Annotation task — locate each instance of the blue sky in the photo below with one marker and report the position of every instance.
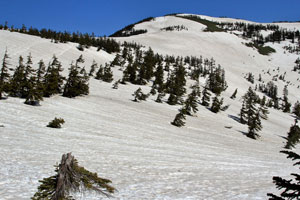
(105, 17)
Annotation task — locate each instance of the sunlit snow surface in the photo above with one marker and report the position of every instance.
(134, 144)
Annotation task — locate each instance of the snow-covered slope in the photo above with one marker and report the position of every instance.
(133, 144)
(228, 49)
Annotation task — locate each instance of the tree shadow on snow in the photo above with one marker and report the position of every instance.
(244, 133)
(235, 118)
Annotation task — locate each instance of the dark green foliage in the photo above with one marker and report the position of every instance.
(176, 84)
(263, 50)
(93, 68)
(205, 97)
(263, 112)
(290, 188)
(296, 109)
(77, 82)
(139, 95)
(56, 123)
(35, 92)
(293, 136)
(191, 103)
(251, 113)
(243, 114)
(211, 26)
(84, 40)
(107, 74)
(100, 72)
(286, 105)
(53, 81)
(17, 78)
(4, 75)
(179, 119)
(233, 96)
(216, 80)
(250, 77)
(70, 177)
(216, 104)
(129, 30)
(254, 125)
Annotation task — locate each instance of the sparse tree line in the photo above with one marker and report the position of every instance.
(174, 28)
(252, 31)
(84, 40)
(34, 84)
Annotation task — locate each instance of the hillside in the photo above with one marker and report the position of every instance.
(134, 144)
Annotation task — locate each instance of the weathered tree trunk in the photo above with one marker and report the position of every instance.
(66, 176)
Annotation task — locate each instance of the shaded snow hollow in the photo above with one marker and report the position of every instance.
(133, 144)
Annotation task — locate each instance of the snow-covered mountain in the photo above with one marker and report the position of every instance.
(134, 144)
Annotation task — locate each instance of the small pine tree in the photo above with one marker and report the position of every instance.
(4, 75)
(286, 106)
(139, 95)
(53, 80)
(35, 92)
(205, 97)
(216, 104)
(293, 136)
(291, 188)
(107, 74)
(99, 74)
(179, 119)
(16, 80)
(296, 109)
(70, 177)
(254, 125)
(56, 123)
(93, 68)
(243, 114)
(191, 103)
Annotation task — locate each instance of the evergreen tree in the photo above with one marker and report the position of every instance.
(205, 97)
(107, 74)
(93, 68)
(149, 63)
(16, 82)
(254, 125)
(263, 112)
(139, 95)
(179, 119)
(77, 82)
(243, 114)
(286, 106)
(53, 81)
(4, 75)
(291, 188)
(252, 114)
(296, 109)
(191, 103)
(176, 84)
(233, 96)
(100, 72)
(216, 80)
(159, 78)
(35, 92)
(293, 136)
(216, 104)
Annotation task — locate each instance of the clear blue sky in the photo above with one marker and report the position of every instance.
(105, 17)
